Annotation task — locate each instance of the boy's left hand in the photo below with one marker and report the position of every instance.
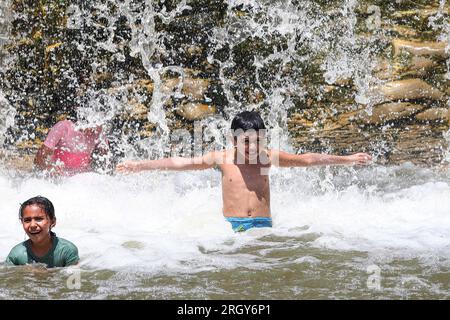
(360, 159)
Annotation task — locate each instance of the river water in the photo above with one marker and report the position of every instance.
(339, 233)
(375, 232)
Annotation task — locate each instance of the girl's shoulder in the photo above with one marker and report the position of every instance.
(20, 247)
(18, 254)
(65, 244)
(66, 253)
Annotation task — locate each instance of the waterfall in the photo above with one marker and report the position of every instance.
(337, 76)
(165, 77)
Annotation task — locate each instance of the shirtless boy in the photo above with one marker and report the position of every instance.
(245, 183)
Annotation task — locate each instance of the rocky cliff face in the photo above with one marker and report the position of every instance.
(4, 27)
(337, 76)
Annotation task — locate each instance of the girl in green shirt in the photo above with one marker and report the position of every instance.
(43, 246)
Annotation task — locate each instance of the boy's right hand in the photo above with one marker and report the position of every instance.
(128, 167)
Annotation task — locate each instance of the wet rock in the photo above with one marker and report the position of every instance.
(102, 77)
(23, 162)
(193, 88)
(52, 47)
(424, 13)
(416, 66)
(298, 122)
(187, 88)
(147, 84)
(37, 35)
(426, 48)
(29, 144)
(406, 90)
(329, 89)
(343, 81)
(147, 130)
(421, 64)
(19, 44)
(419, 143)
(42, 131)
(434, 114)
(195, 111)
(256, 96)
(419, 18)
(194, 50)
(51, 61)
(384, 70)
(403, 31)
(139, 111)
(169, 86)
(388, 112)
(341, 121)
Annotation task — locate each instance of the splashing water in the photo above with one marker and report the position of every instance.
(162, 235)
(7, 114)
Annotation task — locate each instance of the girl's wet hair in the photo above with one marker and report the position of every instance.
(42, 202)
(248, 120)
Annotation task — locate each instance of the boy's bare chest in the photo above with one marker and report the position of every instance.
(249, 177)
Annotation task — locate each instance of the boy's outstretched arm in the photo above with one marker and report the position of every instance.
(284, 159)
(207, 161)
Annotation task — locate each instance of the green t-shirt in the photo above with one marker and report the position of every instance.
(62, 254)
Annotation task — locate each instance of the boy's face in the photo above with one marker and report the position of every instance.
(36, 223)
(249, 145)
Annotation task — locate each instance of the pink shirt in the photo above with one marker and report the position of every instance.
(73, 147)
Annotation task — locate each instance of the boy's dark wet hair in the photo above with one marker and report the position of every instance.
(248, 120)
(42, 202)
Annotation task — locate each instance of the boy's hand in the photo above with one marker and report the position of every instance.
(127, 167)
(359, 159)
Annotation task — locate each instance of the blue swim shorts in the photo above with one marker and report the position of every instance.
(243, 224)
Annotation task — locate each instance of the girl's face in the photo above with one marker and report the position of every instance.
(37, 223)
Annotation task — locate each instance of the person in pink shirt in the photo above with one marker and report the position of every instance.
(68, 150)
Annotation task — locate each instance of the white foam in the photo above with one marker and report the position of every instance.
(173, 221)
